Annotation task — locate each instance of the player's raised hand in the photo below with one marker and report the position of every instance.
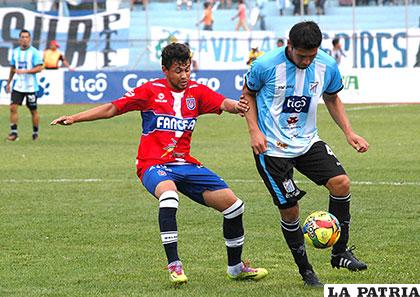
(358, 142)
(63, 120)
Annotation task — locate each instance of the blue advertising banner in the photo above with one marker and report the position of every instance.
(104, 86)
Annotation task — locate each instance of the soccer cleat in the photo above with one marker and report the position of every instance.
(12, 137)
(35, 136)
(310, 279)
(176, 273)
(248, 273)
(347, 260)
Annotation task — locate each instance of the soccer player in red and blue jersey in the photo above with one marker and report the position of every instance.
(170, 108)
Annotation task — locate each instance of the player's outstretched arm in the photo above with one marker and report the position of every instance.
(101, 112)
(234, 106)
(336, 109)
(257, 138)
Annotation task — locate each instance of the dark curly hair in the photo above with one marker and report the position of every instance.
(175, 52)
(305, 35)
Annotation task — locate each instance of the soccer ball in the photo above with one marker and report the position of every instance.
(321, 229)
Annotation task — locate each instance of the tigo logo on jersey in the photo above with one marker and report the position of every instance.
(296, 104)
(22, 65)
(191, 103)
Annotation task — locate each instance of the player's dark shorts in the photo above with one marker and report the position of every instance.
(31, 99)
(319, 164)
(190, 179)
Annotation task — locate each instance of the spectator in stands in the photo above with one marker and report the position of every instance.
(319, 5)
(280, 42)
(281, 4)
(144, 3)
(296, 10)
(337, 51)
(253, 55)
(262, 6)
(52, 57)
(228, 4)
(187, 3)
(207, 19)
(241, 15)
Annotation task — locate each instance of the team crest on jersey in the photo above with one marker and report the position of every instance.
(313, 87)
(191, 103)
(161, 173)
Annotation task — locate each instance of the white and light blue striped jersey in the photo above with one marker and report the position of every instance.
(287, 99)
(25, 59)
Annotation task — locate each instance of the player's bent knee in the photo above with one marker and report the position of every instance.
(340, 184)
(169, 199)
(290, 214)
(234, 210)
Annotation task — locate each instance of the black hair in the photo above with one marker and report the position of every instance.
(305, 35)
(335, 41)
(24, 31)
(207, 4)
(175, 52)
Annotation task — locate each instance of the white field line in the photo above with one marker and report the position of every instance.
(246, 181)
(58, 180)
(368, 183)
(371, 107)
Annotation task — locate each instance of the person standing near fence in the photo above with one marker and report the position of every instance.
(207, 19)
(337, 52)
(26, 62)
(241, 15)
(53, 56)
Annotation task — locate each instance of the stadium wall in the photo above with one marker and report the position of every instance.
(80, 87)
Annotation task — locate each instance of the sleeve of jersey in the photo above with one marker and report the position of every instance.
(253, 77)
(136, 99)
(336, 83)
(209, 100)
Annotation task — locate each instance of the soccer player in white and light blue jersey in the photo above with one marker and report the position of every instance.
(26, 62)
(283, 89)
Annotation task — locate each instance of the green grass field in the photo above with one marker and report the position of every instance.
(75, 220)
